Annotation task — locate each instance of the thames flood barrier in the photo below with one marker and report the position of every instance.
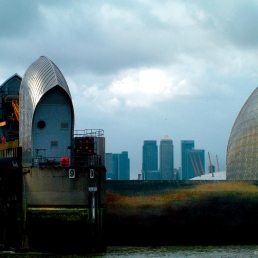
(54, 196)
(52, 208)
(52, 177)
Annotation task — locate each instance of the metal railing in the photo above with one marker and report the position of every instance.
(78, 161)
(89, 133)
(86, 161)
(46, 161)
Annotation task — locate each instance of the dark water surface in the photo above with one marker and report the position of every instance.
(161, 251)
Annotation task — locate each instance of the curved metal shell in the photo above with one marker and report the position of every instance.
(42, 76)
(242, 149)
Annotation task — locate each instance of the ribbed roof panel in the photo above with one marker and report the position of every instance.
(40, 77)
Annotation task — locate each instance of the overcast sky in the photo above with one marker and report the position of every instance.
(142, 69)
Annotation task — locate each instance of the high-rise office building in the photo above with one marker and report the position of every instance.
(123, 166)
(195, 165)
(115, 166)
(118, 166)
(185, 145)
(109, 165)
(149, 157)
(166, 158)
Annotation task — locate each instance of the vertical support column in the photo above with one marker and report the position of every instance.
(97, 188)
(100, 229)
(93, 208)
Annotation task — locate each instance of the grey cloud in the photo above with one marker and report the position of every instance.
(242, 28)
(17, 18)
(80, 35)
(233, 22)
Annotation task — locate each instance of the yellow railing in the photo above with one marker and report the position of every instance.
(16, 108)
(9, 145)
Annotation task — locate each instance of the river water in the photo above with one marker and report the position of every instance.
(161, 251)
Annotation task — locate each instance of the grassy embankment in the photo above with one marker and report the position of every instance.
(221, 213)
(196, 195)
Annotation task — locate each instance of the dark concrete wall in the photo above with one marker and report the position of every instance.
(51, 186)
(59, 214)
(47, 211)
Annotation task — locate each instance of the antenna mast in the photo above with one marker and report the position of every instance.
(217, 163)
(211, 168)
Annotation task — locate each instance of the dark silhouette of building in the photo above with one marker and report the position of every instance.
(9, 94)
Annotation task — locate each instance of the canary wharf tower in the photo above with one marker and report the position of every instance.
(166, 158)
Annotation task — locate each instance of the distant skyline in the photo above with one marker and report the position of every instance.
(142, 69)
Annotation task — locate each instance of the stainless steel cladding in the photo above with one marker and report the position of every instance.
(41, 77)
(242, 149)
